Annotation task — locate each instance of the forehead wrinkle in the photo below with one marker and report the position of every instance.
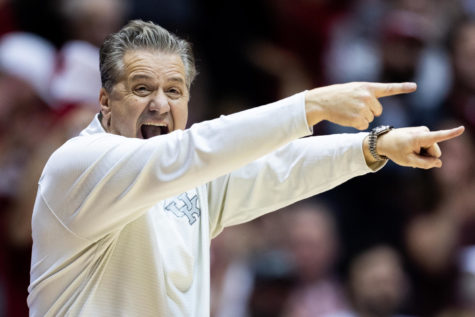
(139, 67)
(145, 77)
(149, 57)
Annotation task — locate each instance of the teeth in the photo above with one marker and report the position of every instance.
(156, 124)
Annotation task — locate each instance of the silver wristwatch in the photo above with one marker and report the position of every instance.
(373, 139)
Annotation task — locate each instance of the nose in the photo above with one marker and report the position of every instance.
(159, 103)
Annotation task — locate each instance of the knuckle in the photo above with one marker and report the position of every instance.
(358, 126)
(364, 85)
(365, 96)
(361, 105)
(363, 125)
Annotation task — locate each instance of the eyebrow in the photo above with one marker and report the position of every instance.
(142, 76)
(177, 79)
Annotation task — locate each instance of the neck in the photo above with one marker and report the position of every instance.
(101, 120)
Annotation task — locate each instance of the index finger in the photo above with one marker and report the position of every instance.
(430, 138)
(383, 90)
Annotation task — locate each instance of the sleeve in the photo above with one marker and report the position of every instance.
(301, 169)
(98, 183)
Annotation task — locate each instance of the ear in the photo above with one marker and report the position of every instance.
(104, 100)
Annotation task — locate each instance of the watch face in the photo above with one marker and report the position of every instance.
(382, 129)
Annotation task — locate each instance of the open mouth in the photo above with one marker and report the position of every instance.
(150, 130)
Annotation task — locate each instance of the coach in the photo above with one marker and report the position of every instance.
(125, 212)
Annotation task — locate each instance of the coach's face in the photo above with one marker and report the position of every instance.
(150, 99)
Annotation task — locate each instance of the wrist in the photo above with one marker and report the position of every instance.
(381, 145)
(366, 152)
(313, 109)
(375, 141)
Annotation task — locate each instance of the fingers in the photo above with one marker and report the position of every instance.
(416, 147)
(425, 162)
(376, 108)
(383, 90)
(433, 150)
(361, 124)
(429, 138)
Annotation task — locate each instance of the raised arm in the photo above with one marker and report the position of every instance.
(97, 183)
(309, 166)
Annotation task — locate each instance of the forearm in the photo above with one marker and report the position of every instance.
(301, 169)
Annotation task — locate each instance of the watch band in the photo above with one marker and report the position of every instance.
(373, 139)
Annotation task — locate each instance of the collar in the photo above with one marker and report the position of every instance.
(94, 127)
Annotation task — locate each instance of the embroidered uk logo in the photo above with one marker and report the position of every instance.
(189, 207)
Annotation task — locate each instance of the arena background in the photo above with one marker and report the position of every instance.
(399, 242)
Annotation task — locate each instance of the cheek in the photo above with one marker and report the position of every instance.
(124, 118)
(180, 115)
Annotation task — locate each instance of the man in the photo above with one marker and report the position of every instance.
(314, 247)
(376, 283)
(125, 212)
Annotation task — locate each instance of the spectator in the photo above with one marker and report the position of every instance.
(26, 67)
(461, 100)
(401, 48)
(314, 248)
(77, 80)
(377, 284)
(231, 274)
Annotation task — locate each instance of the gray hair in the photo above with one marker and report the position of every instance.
(136, 35)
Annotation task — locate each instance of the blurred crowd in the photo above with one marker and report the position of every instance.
(400, 242)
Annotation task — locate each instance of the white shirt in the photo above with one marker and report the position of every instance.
(122, 226)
